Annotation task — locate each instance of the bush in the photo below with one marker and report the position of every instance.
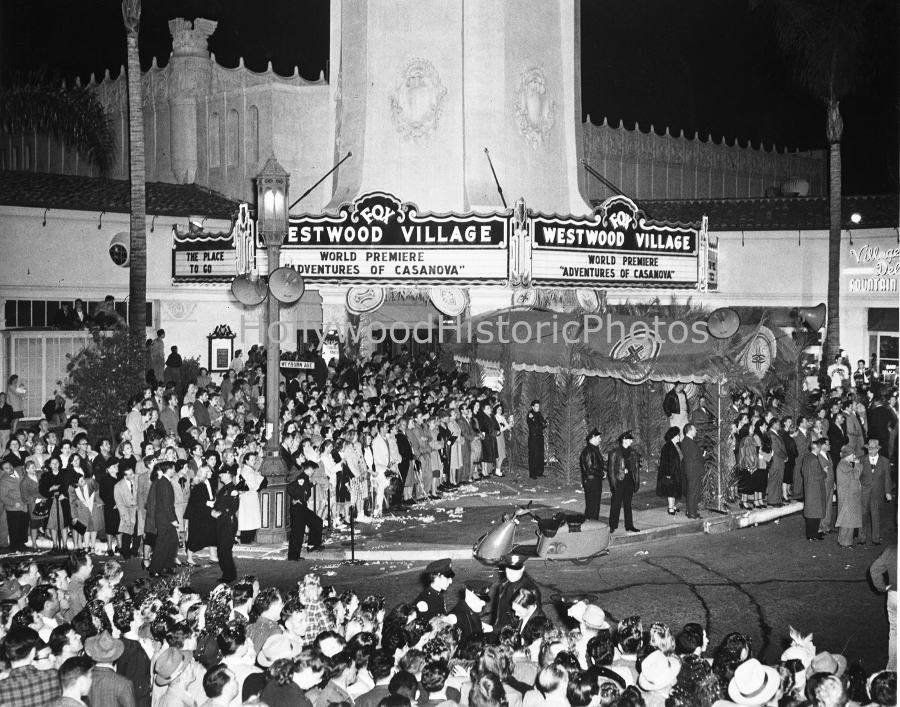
(103, 376)
(190, 369)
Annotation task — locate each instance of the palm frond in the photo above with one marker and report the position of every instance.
(567, 424)
(73, 115)
(831, 45)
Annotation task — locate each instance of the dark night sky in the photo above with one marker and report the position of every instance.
(704, 66)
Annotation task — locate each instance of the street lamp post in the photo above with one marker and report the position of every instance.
(272, 214)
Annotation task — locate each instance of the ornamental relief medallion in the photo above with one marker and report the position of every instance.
(534, 107)
(179, 311)
(418, 100)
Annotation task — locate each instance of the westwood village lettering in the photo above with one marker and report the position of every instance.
(592, 237)
(347, 235)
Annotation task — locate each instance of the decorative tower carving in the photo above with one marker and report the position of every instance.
(191, 72)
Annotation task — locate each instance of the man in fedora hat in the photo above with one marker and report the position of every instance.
(430, 602)
(591, 463)
(657, 678)
(108, 688)
(172, 670)
(591, 620)
(622, 468)
(514, 578)
(468, 610)
(875, 480)
(753, 684)
(849, 516)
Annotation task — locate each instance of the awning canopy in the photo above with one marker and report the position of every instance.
(630, 348)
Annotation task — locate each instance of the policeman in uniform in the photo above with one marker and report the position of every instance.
(302, 517)
(514, 578)
(225, 511)
(536, 427)
(468, 610)
(622, 467)
(430, 602)
(591, 463)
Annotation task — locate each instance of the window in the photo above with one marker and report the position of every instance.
(118, 253)
(234, 137)
(214, 141)
(22, 314)
(252, 136)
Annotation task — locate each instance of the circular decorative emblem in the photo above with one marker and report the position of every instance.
(534, 107)
(761, 352)
(637, 348)
(363, 299)
(418, 100)
(587, 299)
(449, 300)
(524, 298)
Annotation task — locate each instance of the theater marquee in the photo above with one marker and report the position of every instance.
(380, 240)
(617, 246)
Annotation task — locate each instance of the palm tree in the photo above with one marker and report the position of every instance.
(73, 115)
(137, 285)
(830, 45)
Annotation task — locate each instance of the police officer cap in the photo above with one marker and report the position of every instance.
(593, 433)
(479, 587)
(626, 435)
(513, 561)
(443, 567)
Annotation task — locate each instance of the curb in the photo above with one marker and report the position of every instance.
(717, 524)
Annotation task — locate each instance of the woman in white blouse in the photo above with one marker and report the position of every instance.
(504, 426)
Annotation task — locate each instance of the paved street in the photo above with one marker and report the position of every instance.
(759, 581)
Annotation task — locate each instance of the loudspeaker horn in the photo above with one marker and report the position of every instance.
(249, 292)
(813, 318)
(286, 285)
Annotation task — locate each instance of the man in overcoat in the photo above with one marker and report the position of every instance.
(622, 470)
(166, 521)
(536, 426)
(693, 467)
(468, 610)
(814, 487)
(514, 578)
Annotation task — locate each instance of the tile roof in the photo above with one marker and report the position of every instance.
(776, 214)
(66, 191)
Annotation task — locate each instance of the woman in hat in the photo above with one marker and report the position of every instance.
(849, 493)
(657, 678)
(669, 482)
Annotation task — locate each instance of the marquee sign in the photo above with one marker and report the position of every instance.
(380, 240)
(617, 246)
(199, 256)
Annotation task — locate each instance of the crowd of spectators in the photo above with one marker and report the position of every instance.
(75, 635)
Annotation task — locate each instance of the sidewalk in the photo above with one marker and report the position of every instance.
(450, 526)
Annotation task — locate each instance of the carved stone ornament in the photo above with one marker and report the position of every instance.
(534, 107)
(418, 100)
(524, 298)
(449, 300)
(365, 298)
(190, 38)
(761, 352)
(179, 311)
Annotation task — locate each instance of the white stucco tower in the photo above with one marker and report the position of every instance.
(422, 87)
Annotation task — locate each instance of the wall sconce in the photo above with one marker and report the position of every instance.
(44, 223)
(100, 225)
(153, 223)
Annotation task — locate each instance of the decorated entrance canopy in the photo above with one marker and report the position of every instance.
(629, 348)
(380, 240)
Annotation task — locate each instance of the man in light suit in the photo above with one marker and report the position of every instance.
(125, 496)
(166, 521)
(827, 525)
(875, 480)
(855, 433)
(108, 688)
